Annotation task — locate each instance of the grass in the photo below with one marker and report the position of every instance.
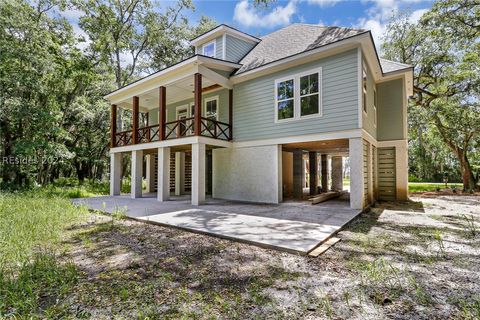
(32, 225)
(430, 186)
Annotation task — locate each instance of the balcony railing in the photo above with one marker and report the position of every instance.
(176, 129)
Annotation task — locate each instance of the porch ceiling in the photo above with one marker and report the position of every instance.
(177, 91)
(334, 147)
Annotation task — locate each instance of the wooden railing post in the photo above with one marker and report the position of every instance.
(135, 120)
(230, 114)
(162, 112)
(198, 103)
(113, 126)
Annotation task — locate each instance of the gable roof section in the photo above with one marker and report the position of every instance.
(291, 40)
(220, 30)
(392, 66)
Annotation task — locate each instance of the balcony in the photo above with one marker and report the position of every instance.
(210, 128)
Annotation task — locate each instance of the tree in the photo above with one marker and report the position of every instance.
(444, 49)
(122, 32)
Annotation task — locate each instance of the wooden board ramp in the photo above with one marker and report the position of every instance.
(324, 247)
(325, 196)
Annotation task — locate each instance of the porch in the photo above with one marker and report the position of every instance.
(293, 226)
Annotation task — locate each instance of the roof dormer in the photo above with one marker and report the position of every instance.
(224, 42)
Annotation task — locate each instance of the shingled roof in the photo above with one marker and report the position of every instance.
(291, 40)
(391, 66)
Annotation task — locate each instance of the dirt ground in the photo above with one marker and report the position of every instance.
(412, 260)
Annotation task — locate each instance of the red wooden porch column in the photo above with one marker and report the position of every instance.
(230, 114)
(113, 125)
(162, 111)
(198, 103)
(135, 120)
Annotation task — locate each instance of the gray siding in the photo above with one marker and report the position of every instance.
(390, 110)
(368, 118)
(236, 48)
(254, 103)
(172, 108)
(218, 48)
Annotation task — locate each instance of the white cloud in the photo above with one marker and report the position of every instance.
(247, 15)
(324, 3)
(416, 15)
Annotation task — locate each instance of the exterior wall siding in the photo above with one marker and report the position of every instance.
(390, 110)
(218, 48)
(236, 48)
(368, 118)
(254, 101)
(172, 108)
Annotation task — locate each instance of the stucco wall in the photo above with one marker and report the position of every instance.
(248, 174)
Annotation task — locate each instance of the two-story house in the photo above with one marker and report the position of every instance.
(260, 119)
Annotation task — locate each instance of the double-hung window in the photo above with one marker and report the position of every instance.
(211, 108)
(298, 96)
(375, 107)
(364, 88)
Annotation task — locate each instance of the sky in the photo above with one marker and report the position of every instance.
(367, 14)
(258, 21)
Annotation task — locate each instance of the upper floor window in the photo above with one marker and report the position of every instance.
(364, 88)
(209, 49)
(211, 108)
(298, 96)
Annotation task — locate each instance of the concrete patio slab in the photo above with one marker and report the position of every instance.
(297, 227)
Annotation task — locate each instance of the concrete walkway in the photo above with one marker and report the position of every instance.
(291, 226)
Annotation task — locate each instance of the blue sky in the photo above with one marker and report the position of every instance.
(367, 14)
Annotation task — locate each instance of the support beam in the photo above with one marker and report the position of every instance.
(230, 114)
(137, 168)
(324, 173)
(113, 126)
(215, 77)
(337, 173)
(355, 149)
(197, 87)
(198, 173)
(115, 173)
(162, 111)
(298, 174)
(150, 172)
(313, 165)
(163, 175)
(135, 120)
(179, 173)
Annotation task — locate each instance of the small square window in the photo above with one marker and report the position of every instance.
(209, 49)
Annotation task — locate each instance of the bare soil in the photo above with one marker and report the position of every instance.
(413, 260)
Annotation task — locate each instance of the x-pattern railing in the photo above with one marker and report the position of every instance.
(179, 128)
(123, 138)
(148, 134)
(215, 129)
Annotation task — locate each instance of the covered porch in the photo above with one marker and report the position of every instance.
(184, 108)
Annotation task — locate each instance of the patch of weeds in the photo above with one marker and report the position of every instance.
(470, 310)
(437, 235)
(38, 289)
(470, 227)
(325, 305)
(421, 296)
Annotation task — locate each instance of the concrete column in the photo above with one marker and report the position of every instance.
(137, 168)
(298, 174)
(324, 161)
(313, 165)
(198, 173)
(150, 172)
(355, 149)
(163, 174)
(279, 173)
(179, 173)
(337, 173)
(115, 173)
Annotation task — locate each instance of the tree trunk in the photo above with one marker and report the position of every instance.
(468, 179)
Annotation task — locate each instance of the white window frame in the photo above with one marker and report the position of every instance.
(214, 42)
(296, 96)
(214, 98)
(375, 101)
(364, 89)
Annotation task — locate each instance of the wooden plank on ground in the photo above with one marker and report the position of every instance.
(325, 196)
(323, 247)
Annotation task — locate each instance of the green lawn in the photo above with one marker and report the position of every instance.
(430, 186)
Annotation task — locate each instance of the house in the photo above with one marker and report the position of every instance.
(260, 119)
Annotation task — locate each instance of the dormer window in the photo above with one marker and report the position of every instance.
(208, 49)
